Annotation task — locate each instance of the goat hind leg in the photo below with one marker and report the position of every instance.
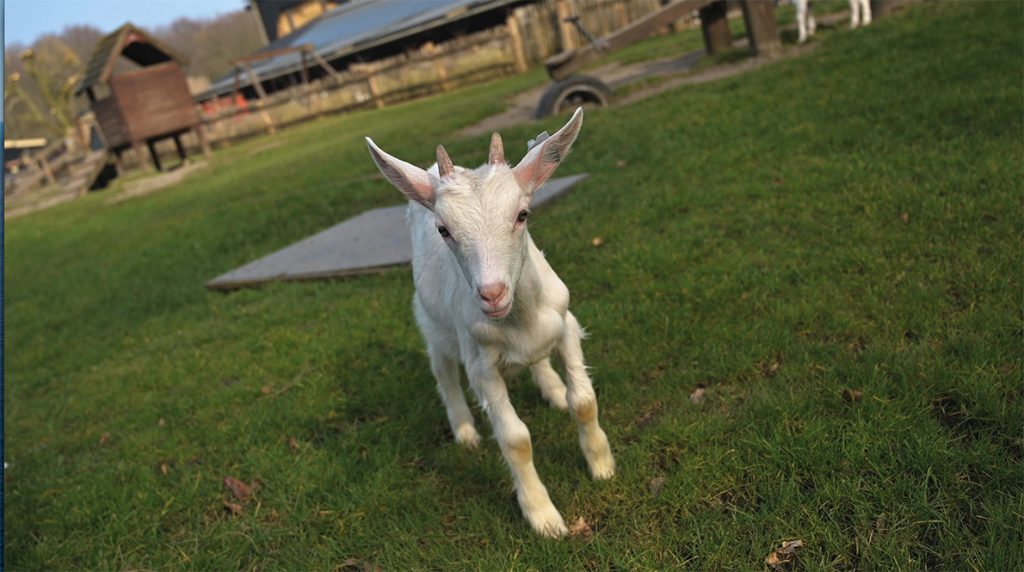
(583, 402)
(551, 387)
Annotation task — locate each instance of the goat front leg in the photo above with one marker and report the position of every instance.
(583, 402)
(514, 439)
(446, 371)
(801, 20)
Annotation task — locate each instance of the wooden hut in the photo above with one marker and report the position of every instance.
(143, 105)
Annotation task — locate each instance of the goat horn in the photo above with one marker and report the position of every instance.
(444, 163)
(497, 154)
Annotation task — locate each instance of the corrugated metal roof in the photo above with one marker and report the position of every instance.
(357, 26)
(131, 42)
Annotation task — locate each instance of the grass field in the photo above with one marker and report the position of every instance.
(850, 220)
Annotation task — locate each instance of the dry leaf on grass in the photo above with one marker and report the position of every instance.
(234, 508)
(852, 395)
(293, 443)
(241, 490)
(783, 555)
(596, 241)
(580, 529)
(164, 468)
(905, 217)
(104, 438)
(656, 484)
(620, 163)
(266, 390)
(697, 397)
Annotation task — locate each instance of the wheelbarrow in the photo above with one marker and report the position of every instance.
(571, 89)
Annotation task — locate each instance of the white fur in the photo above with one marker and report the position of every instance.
(860, 14)
(488, 247)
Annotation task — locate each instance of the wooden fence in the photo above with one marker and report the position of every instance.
(531, 34)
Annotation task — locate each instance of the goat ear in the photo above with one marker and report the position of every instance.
(414, 182)
(542, 160)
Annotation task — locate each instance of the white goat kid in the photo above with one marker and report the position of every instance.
(486, 297)
(860, 14)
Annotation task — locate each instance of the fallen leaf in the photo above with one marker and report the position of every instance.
(656, 484)
(234, 508)
(162, 422)
(104, 438)
(581, 528)
(293, 443)
(266, 390)
(905, 217)
(697, 397)
(777, 181)
(649, 416)
(783, 555)
(852, 395)
(241, 490)
(165, 468)
(620, 163)
(597, 241)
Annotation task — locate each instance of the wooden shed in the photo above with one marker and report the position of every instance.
(141, 106)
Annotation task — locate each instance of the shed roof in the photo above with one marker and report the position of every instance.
(353, 27)
(128, 41)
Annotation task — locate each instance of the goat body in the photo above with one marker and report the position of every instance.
(487, 298)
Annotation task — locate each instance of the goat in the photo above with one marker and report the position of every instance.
(486, 297)
(860, 14)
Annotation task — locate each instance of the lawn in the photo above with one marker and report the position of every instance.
(846, 221)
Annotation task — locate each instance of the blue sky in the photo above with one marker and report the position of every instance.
(26, 20)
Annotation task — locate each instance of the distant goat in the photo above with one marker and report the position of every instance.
(860, 14)
(486, 297)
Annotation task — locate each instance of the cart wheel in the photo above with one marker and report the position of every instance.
(572, 92)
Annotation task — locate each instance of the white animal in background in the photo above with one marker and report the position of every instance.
(486, 297)
(860, 14)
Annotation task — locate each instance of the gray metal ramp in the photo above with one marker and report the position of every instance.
(369, 242)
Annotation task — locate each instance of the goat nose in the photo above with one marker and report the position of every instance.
(491, 293)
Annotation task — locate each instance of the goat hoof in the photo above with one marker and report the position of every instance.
(602, 467)
(548, 523)
(467, 436)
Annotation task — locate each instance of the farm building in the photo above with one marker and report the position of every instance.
(354, 36)
(141, 106)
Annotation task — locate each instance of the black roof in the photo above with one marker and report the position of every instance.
(355, 27)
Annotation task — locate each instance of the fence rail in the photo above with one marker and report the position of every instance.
(531, 34)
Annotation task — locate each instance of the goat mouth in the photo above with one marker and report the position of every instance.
(498, 313)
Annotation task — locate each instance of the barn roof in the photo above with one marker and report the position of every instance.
(354, 27)
(128, 41)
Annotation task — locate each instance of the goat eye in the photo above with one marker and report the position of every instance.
(522, 216)
(443, 230)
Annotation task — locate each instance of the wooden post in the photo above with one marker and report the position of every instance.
(262, 99)
(155, 155)
(517, 42)
(714, 22)
(439, 70)
(140, 156)
(371, 83)
(181, 149)
(566, 33)
(44, 166)
(118, 162)
(759, 16)
(204, 143)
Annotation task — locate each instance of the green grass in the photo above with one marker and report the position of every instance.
(753, 243)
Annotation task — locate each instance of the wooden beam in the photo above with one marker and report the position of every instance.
(566, 32)
(561, 66)
(762, 31)
(715, 25)
(516, 40)
(261, 102)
